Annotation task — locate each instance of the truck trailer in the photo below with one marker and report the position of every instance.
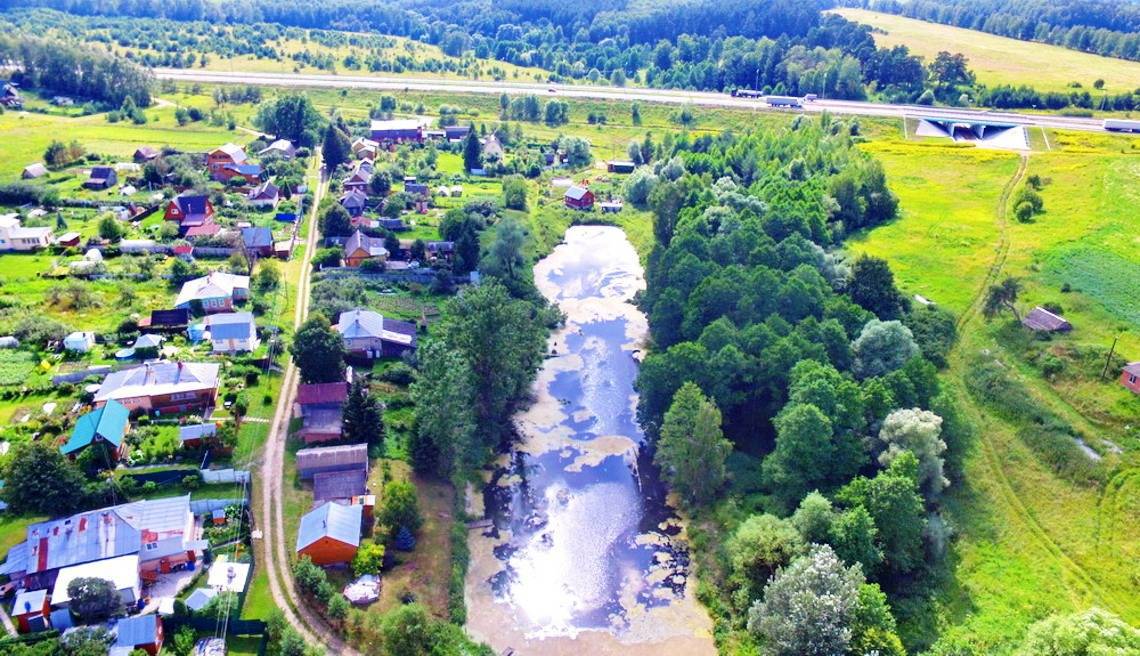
(1121, 125)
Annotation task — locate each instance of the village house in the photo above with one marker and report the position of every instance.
(355, 202)
(224, 155)
(194, 214)
(250, 174)
(15, 237)
(456, 132)
(163, 387)
(282, 148)
(1130, 377)
(362, 148)
(33, 171)
(216, 291)
(330, 534)
(394, 224)
(1041, 320)
(578, 197)
(264, 195)
(440, 250)
(397, 131)
(322, 411)
(493, 148)
(10, 97)
(232, 332)
(359, 248)
(107, 424)
(145, 154)
(257, 240)
(118, 543)
(359, 178)
(316, 460)
(101, 177)
(370, 335)
(139, 632)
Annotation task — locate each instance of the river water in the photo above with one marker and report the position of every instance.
(585, 556)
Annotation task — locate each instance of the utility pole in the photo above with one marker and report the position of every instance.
(1108, 360)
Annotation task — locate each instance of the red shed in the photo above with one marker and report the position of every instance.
(579, 198)
(31, 610)
(1130, 377)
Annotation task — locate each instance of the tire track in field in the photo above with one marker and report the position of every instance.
(1002, 249)
(1073, 570)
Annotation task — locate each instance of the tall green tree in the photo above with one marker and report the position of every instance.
(504, 258)
(691, 450)
(93, 598)
(809, 455)
(1091, 633)
(472, 151)
(292, 117)
(336, 221)
(40, 480)
(336, 149)
(363, 414)
(443, 440)
(872, 286)
(1002, 297)
(399, 507)
(318, 351)
(892, 500)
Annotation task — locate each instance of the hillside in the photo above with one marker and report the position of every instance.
(1000, 60)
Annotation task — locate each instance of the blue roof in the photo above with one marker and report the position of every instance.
(108, 423)
(230, 325)
(200, 598)
(257, 237)
(287, 217)
(245, 169)
(138, 630)
(341, 523)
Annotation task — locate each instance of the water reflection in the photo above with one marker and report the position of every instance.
(582, 539)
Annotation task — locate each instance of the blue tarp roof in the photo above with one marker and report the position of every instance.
(61, 619)
(108, 422)
(341, 523)
(287, 217)
(138, 630)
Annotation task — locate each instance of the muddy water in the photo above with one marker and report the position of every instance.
(584, 555)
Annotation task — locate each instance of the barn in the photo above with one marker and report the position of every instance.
(330, 534)
(349, 457)
(579, 198)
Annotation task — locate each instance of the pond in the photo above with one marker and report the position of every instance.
(584, 554)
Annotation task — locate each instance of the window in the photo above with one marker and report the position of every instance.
(1131, 379)
(150, 546)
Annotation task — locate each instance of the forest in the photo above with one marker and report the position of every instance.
(76, 71)
(1103, 27)
(824, 379)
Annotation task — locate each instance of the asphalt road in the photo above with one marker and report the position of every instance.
(626, 94)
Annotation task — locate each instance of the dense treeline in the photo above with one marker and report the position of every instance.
(1104, 27)
(819, 372)
(76, 71)
(779, 45)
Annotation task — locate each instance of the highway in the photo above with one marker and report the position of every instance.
(624, 94)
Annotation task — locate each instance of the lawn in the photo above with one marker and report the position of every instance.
(1029, 542)
(998, 59)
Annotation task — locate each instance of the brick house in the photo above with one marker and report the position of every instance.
(165, 387)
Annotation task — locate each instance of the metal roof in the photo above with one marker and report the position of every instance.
(200, 598)
(158, 378)
(332, 520)
(231, 325)
(137, 630)
(196, 431)
(322, 393)
(577, 192)
(363, 324)
(346, 456)
(108, 423)
(257, 237)
(122, 572)
(328, 486)
(216, 284)
(29, 601)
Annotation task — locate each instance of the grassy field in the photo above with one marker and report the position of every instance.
(27, 134)
(1000, 60)
(1030, 542)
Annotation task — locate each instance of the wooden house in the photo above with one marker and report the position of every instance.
(1130, 377)
(578, 197)
(330, 534)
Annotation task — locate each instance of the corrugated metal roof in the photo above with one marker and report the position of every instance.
(231, 325)
(322, 393)
(359, 324)
(348, 456)
(196, 431)
(328, 486)
(341, 523)
(135, 631)
(157, 378)
(200, 598)
(108, 423)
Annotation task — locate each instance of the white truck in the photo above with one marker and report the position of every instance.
(1121, 125)
(783, 101)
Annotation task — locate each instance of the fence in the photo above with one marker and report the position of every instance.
(76, 376)
(421, 276)
(204, 506)
(218, 476)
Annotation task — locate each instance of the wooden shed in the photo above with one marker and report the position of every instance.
(330, 534)
(349, 457)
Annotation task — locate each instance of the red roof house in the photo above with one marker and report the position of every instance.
(579, 198)
(223, 155)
